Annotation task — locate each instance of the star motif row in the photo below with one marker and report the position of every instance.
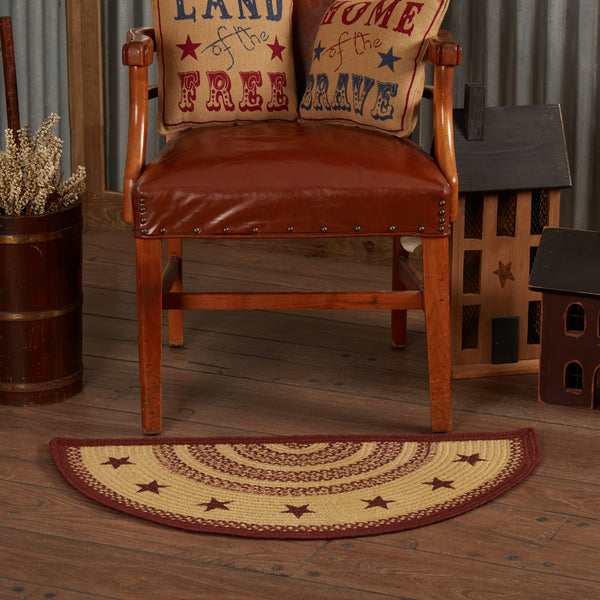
(298, 511)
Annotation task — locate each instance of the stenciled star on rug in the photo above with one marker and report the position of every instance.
(214, 504)
(297, 511)
(189, 48)
(378, 502)
(153, 486)
(439, 483)
(117, 462)
(472, 459)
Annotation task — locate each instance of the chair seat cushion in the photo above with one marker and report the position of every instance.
(289, 179)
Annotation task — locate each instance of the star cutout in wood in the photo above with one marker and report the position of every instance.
(153, 486)
(277, 50)
(378, 502)
(297, 511)
(214, 504)
(189, 48)
(438, 483)
(117, 462)
(472, 459)
(504, 272)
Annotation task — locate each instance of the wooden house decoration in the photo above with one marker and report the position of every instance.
(512, 164)
(567, 272)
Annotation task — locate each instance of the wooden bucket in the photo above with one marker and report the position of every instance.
(40, 307)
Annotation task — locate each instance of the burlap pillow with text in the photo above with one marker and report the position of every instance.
(222, 61)
(368, 64)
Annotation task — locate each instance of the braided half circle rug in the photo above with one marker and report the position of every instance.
(300, 487)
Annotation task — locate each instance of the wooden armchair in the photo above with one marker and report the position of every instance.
(300, 188)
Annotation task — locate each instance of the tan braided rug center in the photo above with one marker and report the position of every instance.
(298, 487)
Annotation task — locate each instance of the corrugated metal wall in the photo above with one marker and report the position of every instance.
(524, 51)
(40, 36)
(541, 52)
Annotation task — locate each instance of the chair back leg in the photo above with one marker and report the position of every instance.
(175, 317)
(398, 316)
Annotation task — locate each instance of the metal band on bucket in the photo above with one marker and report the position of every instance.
(35, 238)
(42, 314)
(43, 386)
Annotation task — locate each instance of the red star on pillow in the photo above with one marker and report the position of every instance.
(189, 48)
(277, 50)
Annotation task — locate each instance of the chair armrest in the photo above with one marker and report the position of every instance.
(138, 50)
(138, 54)
(445, 54)
(444, 51)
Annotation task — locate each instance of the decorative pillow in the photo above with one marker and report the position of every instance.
(221, 61)
(368, 64)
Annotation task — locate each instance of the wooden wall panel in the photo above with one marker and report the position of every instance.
(102, 207)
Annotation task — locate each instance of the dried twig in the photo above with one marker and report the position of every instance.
(30, 179)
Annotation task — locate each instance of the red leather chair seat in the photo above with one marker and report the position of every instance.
(277, 179)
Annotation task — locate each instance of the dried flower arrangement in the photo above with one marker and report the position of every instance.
(30, 178)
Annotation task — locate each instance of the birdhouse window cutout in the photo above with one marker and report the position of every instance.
(470, 326)
(534, 322)
(575, 319)
(532, 253)
(506, 218)
(574, 378)
(472, 272)
(473, 216)
(540, 211)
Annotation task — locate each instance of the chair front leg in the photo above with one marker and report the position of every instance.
(436, 289)
(149, 305)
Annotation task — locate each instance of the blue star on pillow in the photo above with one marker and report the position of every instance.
(317, 50)
(388, 59)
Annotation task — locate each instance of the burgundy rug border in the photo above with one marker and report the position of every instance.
(527, 435)
(523, 433)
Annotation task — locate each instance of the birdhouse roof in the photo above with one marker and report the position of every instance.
(567, 261)
(523, 148)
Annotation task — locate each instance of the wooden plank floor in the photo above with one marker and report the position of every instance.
(286, 373)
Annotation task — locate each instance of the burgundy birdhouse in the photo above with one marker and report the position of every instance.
(567, 272)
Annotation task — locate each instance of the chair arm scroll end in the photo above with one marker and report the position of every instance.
(444, 51)
(138, 50)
